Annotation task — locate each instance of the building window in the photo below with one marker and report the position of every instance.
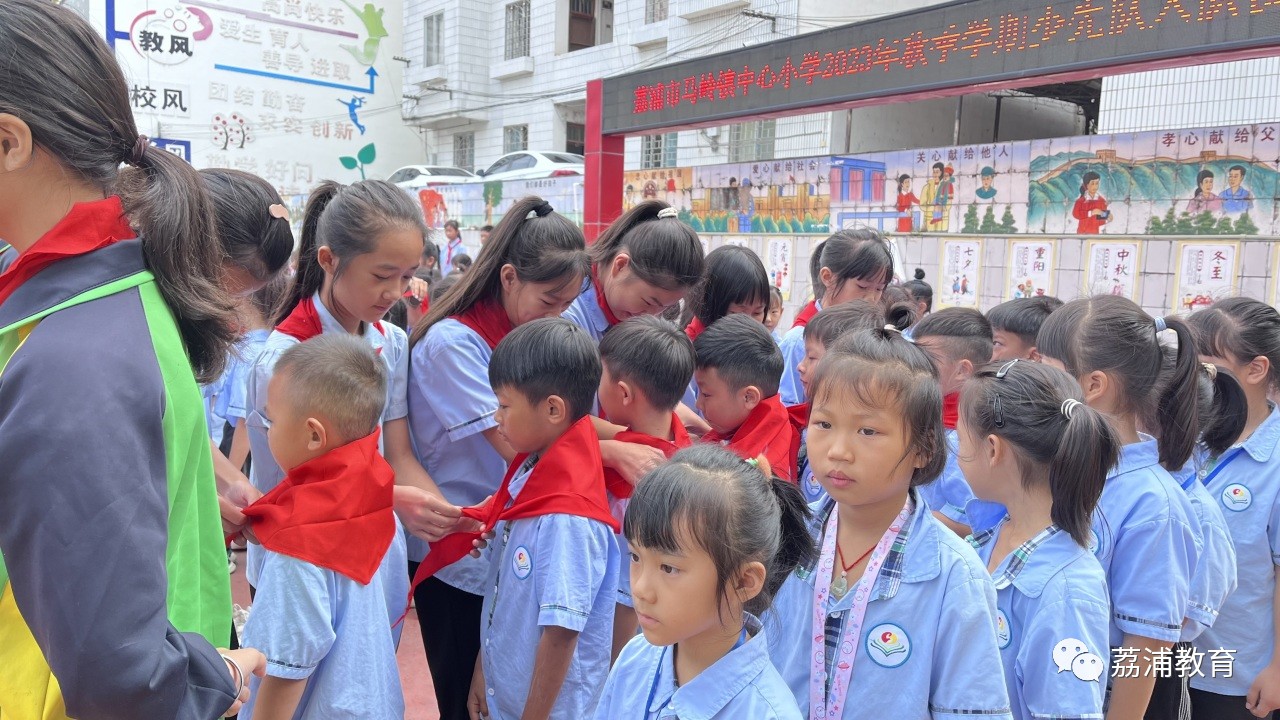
(575, 138)
(433, 39)
(515, 138)
(464, 150)
(517, 30)
(655, 11)
(590, 23)
(658, 151)
(751, 141)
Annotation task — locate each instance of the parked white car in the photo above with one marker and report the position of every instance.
(414, 177)
(528, 165)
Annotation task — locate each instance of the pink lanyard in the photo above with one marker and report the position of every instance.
(822, 706)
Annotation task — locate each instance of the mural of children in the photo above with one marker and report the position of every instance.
(988, 189)
(929, 199)
(1090, 208)
(906, 199)
(1236, 199)
(1204, 200)
(941, 217)
(671, 188)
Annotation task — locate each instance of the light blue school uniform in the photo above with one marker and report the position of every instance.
(928, 646)
(1214, 577)
(951, 495)
(777, 336)
(809, 486)
(1146, 536)
(552, 570)
(317, 624)
(1247, 489)
(392, 346)
(209, 395)
(1052, 625)
(743, 684)
(586, 313)
(451, 405)
(233, 401)
(789, 389)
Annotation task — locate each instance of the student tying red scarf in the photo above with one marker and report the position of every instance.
(620, 488)
(568, 479)
(304, 322)
(769, 431)
(489, 320)
(334, 511)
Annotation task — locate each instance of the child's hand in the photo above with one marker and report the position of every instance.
(477, 703)
(482, 542)
(1264, 694)
(249, 662)
(419, 288)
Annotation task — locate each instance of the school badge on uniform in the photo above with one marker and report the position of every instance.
(1004, 633)
(1236, 497)
(888, 645)
(522, 562)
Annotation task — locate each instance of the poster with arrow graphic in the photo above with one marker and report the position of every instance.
(295, 91)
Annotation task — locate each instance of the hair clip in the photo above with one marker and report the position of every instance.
(668, 212)
(1004, 369)
(1069, 407)
(278, 211)
(1160, 325)
(997, 407)
(1211, 370)
(892, 328)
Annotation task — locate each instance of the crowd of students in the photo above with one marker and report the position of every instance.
(607, 483)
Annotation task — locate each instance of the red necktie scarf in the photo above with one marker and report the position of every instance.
(694, 329)
(489, 320)
(799, 415)
(806, 314)
(567, 480)
(767, 431)
(620, 488)
(334, 511)
(88, 227)
(951, 410)
(303, 323)
(604, 304)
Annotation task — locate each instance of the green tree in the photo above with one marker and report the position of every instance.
(1224, 226)
(1245, 225)
(1184, 225)
(971, 220)
(989, 224)
(1204, 223)
(1008, 224)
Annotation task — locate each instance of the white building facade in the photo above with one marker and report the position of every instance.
(487, 77)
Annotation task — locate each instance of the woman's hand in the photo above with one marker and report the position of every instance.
(248, 662)
(231, 501)
(428, 515)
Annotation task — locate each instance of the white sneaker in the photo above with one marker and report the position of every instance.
(231, 565)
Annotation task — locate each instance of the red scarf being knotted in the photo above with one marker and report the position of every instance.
(568, 479)
(767, 431)
(334, 511)
(619, 487)
(489, 320)
(88, 227)
(694, 328)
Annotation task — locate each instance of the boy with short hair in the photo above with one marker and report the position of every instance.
(820, 335)
(1015, 325)
(647, 363)
(333, 579)
(959, 341)
(739, 369)
(547, 621)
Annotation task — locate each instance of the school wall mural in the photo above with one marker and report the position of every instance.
(296, 91)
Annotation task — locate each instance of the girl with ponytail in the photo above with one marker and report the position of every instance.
(1029, 443)
(712, 537)
(532, 267)
(113, 586)
(1147, 536)
(361, 245)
